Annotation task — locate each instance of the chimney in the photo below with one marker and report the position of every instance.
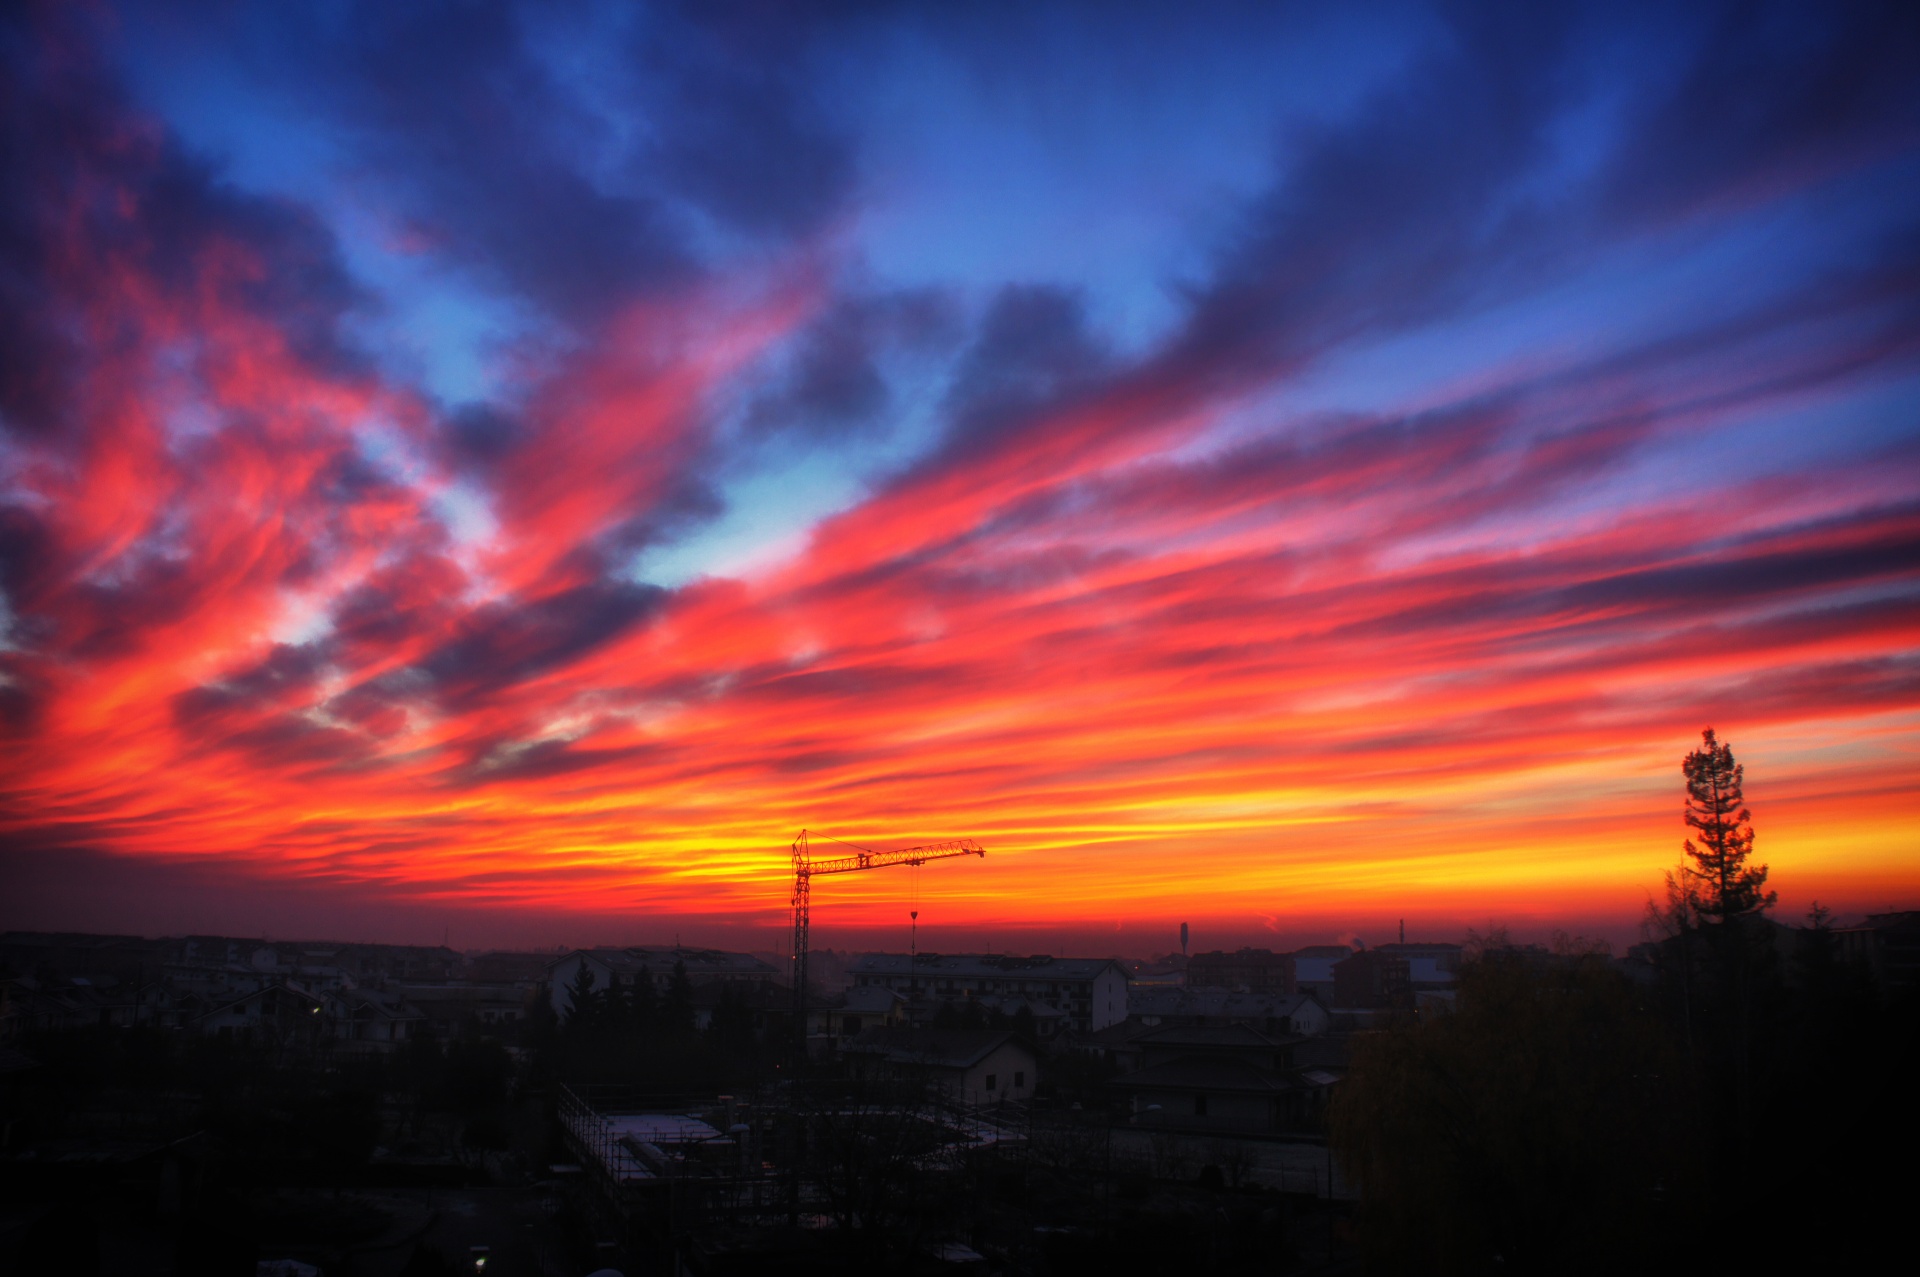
(1403, 931)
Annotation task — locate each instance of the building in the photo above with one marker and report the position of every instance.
(1313, 968)
(1209, 1092)
(847, 1015)
(1088, 993)
(274, 1014)
(621, 968)
(1300, 1014)
(1218, 1077)
(1246, 971)
(1429, 966)
(372, 1021)
(970, 1066)
(1887, 944)
(1372, 979)
(446, 1014)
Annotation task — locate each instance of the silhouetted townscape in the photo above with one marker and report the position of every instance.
(209, 1104)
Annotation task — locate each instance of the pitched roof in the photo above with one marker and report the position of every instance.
(1115, 1035)
(871, 999)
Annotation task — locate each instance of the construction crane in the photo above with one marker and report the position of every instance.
(805, 868)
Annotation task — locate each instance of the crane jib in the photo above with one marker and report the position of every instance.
(805, 867)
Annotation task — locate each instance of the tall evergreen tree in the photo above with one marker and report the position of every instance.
(641, 1002)
(583, 1002)
(677, 1013)
(1723, 885)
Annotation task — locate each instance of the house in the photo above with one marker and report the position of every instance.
(449, 1016)
(276, 1013)
(848, 1015)
(1224, 1077)
(1088, 993)
(372, 1021)
(970, 1066)
(1211, 1092)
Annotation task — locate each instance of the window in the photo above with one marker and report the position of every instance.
(993, 1081)
(1019, 1078)
(1199, 1106)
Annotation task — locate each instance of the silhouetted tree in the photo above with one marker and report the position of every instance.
(1719, 889)
(1528, 1130)
(642, 1007)
(732, 1027)
(958, 1014)
(582, 1012)
(1023, 1024)
(676, 1016)
(479, 1075)
(1719, 884)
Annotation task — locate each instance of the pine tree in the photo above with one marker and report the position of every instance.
(583, 1003)
(1718, 877)
(677, 1013)
(641, 1003)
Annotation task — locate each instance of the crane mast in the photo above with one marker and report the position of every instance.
(805, 867)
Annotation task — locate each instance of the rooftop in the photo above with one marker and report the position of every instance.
(1216, 1004)
(661, 1129)
(659, 960)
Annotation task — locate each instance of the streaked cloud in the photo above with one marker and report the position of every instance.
(1546, 401)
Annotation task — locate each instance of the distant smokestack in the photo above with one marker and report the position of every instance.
(1183, 939)
(1403, 931)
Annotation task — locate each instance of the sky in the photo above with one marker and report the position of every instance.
(497, 472)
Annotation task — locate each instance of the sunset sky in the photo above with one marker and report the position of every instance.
(498, 472)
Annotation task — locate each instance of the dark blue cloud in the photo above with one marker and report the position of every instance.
(566, 178)
(86, 188)
(837, 384)
(505, 643)
(1774, 94)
